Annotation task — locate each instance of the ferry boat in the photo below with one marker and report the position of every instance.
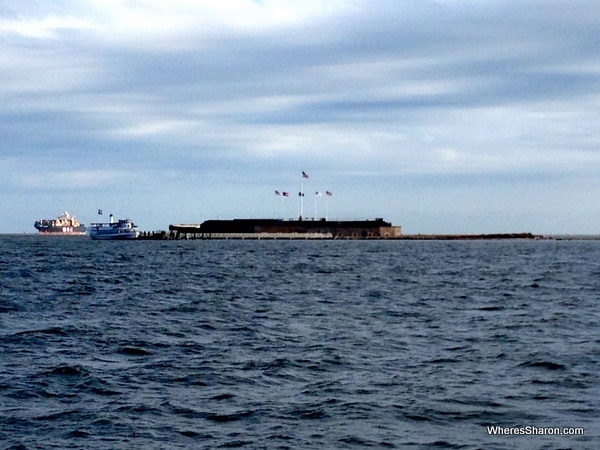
(121, 229)
(65, 224)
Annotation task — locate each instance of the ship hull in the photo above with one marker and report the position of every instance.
(113, 237)
(63, 232)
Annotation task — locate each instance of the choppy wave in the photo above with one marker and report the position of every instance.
(273, 344)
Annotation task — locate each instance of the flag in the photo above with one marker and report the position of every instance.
(300, 194)
(318, 194)
(304, 175)
(328, 194)
(277, 193)
(285, 194)
(100, 212)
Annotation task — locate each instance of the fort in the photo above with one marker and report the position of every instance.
(311, 229)
(286, 229)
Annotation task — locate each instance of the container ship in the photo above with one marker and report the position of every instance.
(65, 224)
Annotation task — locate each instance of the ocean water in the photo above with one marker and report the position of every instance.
(298, 344)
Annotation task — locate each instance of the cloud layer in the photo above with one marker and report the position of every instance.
(443, 116)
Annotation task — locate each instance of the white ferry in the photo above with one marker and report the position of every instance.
(121, 229)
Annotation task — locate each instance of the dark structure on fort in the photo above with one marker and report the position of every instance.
(286, 229)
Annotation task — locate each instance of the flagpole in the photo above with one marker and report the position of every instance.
(301, 194)
(301, 197)
(327, 195)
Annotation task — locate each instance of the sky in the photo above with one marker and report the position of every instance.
(441, 116)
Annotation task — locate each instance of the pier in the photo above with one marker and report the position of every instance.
(160, 235)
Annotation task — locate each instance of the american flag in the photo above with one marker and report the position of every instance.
(304, 174)
(328, 194)
(277, 193)
(285, 194)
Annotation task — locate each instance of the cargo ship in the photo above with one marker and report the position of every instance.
(287, 229)
(65, 224)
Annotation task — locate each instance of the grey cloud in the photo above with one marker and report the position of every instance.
(400, 81)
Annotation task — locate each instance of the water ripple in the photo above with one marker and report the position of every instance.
(284, 344)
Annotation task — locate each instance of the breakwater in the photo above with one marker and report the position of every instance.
(449, 237)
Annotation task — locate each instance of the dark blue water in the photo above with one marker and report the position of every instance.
(297, 344)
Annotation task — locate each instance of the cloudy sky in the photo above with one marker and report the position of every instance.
(452, 116)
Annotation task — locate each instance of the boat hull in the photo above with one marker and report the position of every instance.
(71, 231)
(113, 237)
(62, 233)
